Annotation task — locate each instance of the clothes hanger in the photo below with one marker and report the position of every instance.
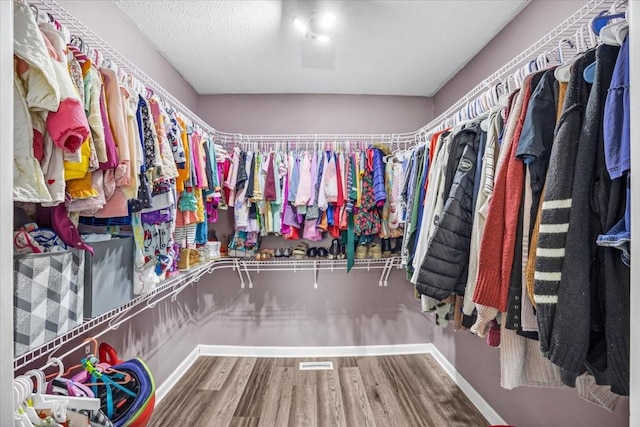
(506, 94)
(42, 400)
(19, 396)
(563, 72)
(542, 61)
(25, 416)
(593, 40)
(25, 405)
(603, 18)
(614, 33)
(487, 100)
(484, 124)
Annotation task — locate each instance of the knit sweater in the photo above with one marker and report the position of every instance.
(556, 204)
(522, 364)
(570, 334)
(497, 247)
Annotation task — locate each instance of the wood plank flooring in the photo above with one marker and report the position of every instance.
(402, 391)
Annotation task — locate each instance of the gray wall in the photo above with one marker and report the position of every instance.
(295, 113)
(535, 20)
(283, 309)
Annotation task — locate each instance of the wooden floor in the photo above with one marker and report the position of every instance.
(403, 391)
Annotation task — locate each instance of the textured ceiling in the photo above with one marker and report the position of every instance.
(377, 48)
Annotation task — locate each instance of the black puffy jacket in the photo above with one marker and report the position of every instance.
(444, 268)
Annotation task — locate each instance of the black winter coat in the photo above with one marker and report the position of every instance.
(444, 268)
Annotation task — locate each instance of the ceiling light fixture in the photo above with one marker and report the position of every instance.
(328, 20)
(317, 26)
(300, 25)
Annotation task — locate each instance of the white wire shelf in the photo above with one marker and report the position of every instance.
(296, 262)
(315, 265)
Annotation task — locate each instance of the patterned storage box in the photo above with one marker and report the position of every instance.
(49, 297)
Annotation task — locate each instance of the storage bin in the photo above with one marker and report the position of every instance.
(108, 276)
(48, 297)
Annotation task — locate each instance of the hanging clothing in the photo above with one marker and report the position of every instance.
(443, 270)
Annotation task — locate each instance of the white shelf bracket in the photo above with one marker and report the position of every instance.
(246, 271)
(384, 271)
(386, 278)
(236, 266)
(315, 275)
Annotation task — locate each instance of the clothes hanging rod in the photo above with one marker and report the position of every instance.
(382, 138)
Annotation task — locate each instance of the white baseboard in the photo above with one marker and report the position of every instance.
(344, 351)
(169, 383)
(289, 352)
(478, 401)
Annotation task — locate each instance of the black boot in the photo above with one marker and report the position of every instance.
(397, 249)
(386, 248)
(343, 252)
(334, 249)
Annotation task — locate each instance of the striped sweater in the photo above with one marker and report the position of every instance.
(556, 204)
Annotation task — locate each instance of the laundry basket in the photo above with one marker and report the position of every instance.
(48, 297)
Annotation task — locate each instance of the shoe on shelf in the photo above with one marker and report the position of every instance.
(194, 257)
(184, 262)
(300, 251)
(322, 252)
(312, 252)
(375, 251)
(278, 253)
(343, 252)
(287, 252)
(361, 251)
(386, 248)
(334, 249)
(397, 248)
(265, 254)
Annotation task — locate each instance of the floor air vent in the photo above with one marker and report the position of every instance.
(316, 366)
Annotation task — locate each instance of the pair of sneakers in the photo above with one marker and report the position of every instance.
(318, 252)
(283, 253)
(370, 251)
(302, 250)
